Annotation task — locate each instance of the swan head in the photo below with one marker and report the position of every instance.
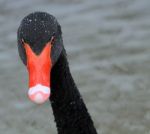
(40, 45)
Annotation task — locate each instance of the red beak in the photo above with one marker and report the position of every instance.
(39, 69)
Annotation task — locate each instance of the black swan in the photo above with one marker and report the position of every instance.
(41, 49)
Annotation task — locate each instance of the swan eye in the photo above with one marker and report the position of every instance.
(22, 41)
(53, 40)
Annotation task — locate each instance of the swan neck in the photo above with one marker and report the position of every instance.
(70, 113)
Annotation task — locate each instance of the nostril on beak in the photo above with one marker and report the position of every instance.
(39, 94)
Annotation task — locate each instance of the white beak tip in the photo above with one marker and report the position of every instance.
(39, 94)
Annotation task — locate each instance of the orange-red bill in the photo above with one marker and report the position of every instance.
(39, 68)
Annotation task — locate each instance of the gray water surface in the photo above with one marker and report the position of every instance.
(108, 46)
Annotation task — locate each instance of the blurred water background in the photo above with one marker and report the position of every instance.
(108, 46)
